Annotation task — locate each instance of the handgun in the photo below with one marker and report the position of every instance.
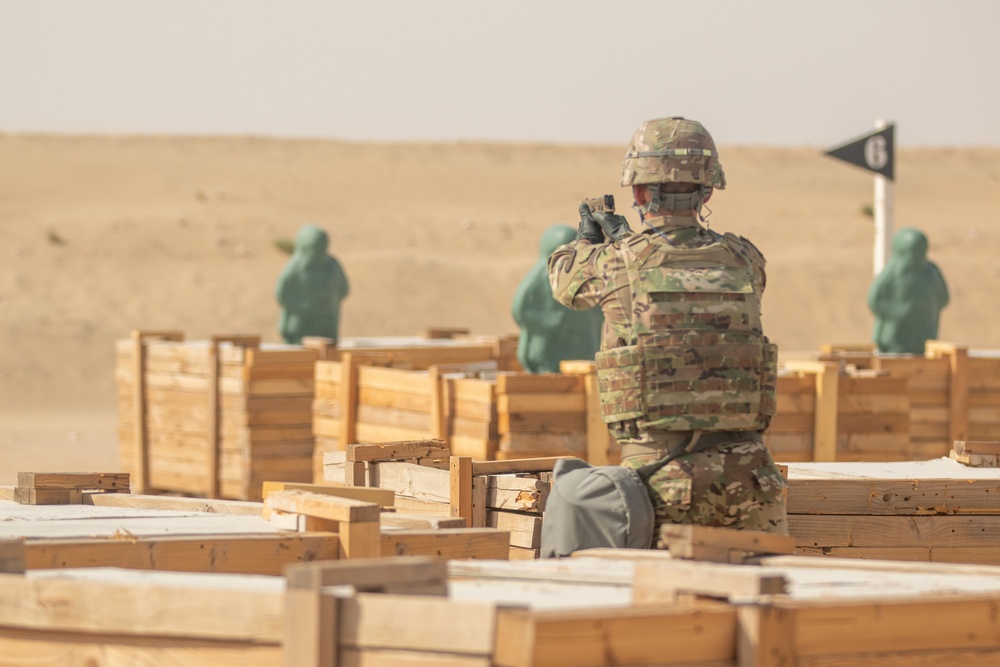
(604, 204)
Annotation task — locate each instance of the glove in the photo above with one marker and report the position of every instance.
(589, 229)
(615, 226)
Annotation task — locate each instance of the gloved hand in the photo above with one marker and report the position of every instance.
(615, 226)
(589, 229)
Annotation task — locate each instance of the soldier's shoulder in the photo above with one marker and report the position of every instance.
(745, 247)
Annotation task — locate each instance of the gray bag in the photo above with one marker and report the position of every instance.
(591, 507)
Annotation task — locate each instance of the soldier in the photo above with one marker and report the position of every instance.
(684, 368)
(310, 289)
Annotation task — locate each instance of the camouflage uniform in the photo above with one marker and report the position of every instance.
(683, 355)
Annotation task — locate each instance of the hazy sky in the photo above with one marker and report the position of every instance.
(779, 72)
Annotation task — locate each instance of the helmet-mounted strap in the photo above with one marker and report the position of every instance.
(672, 152)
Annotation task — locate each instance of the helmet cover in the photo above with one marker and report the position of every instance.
(673, 150)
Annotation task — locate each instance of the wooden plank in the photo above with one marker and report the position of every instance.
(765, 637)
(412, 480)
(233, 554)
(722, 544)
(825, 433)
(893, 496)
(970, 555)
(328, 372)
(483, 543)
(987, 447)
(479, 449)
(411, 622)
(12, 556)
(139, 463)
(525, 529)
(309, 616)
(896, 531)
(322, 390)
(330, 428)
(480, 500)
(400, 450)
(142, 605)
(517, 443)
(395, 379)
(846, 627)
(255, 356)
(388, 398)
(177, 503)
(437, 407)
(460, 488)
(381, 497)
(360, 539)
(296, 371)
(538, 402)
(367, 574)
(541, 464)
(547, 383)
(323, 506)
(471, 389)
(509, 492)
(470, 428)
(542, 422)
(47, 496)
(30, 648)
(661, 581)
(646, 635)
(78, 481)
(959, 395)
(371, 657)
(349, 397)
(414, 421)
(403, 520)
(598, 436)
(427, 507)
(372, 433)
(468, 409)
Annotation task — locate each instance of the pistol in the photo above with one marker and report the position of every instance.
(604, 204)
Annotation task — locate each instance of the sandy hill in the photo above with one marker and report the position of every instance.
(102, 235)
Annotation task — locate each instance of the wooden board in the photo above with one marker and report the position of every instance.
(235, 554)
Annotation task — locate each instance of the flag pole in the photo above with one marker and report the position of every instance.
(883, 209)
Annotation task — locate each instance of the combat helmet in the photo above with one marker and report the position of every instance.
(673, 150)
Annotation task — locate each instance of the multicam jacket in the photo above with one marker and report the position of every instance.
(682, 346)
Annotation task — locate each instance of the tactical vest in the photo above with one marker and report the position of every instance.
(697, 358)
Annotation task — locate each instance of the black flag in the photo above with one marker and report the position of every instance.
(874, 152)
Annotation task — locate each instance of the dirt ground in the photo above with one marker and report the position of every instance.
(99, 236)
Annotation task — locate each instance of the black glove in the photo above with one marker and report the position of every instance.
(589, 229)
(615, 226)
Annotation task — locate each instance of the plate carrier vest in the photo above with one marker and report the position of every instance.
(697, 358)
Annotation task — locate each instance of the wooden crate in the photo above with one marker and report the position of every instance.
(507, 495)
(371, 396)
(214, 418)
(827, 415)
(938, 510)
(954, 393)
(407, 393)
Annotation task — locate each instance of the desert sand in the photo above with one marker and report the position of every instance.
(99, 236)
